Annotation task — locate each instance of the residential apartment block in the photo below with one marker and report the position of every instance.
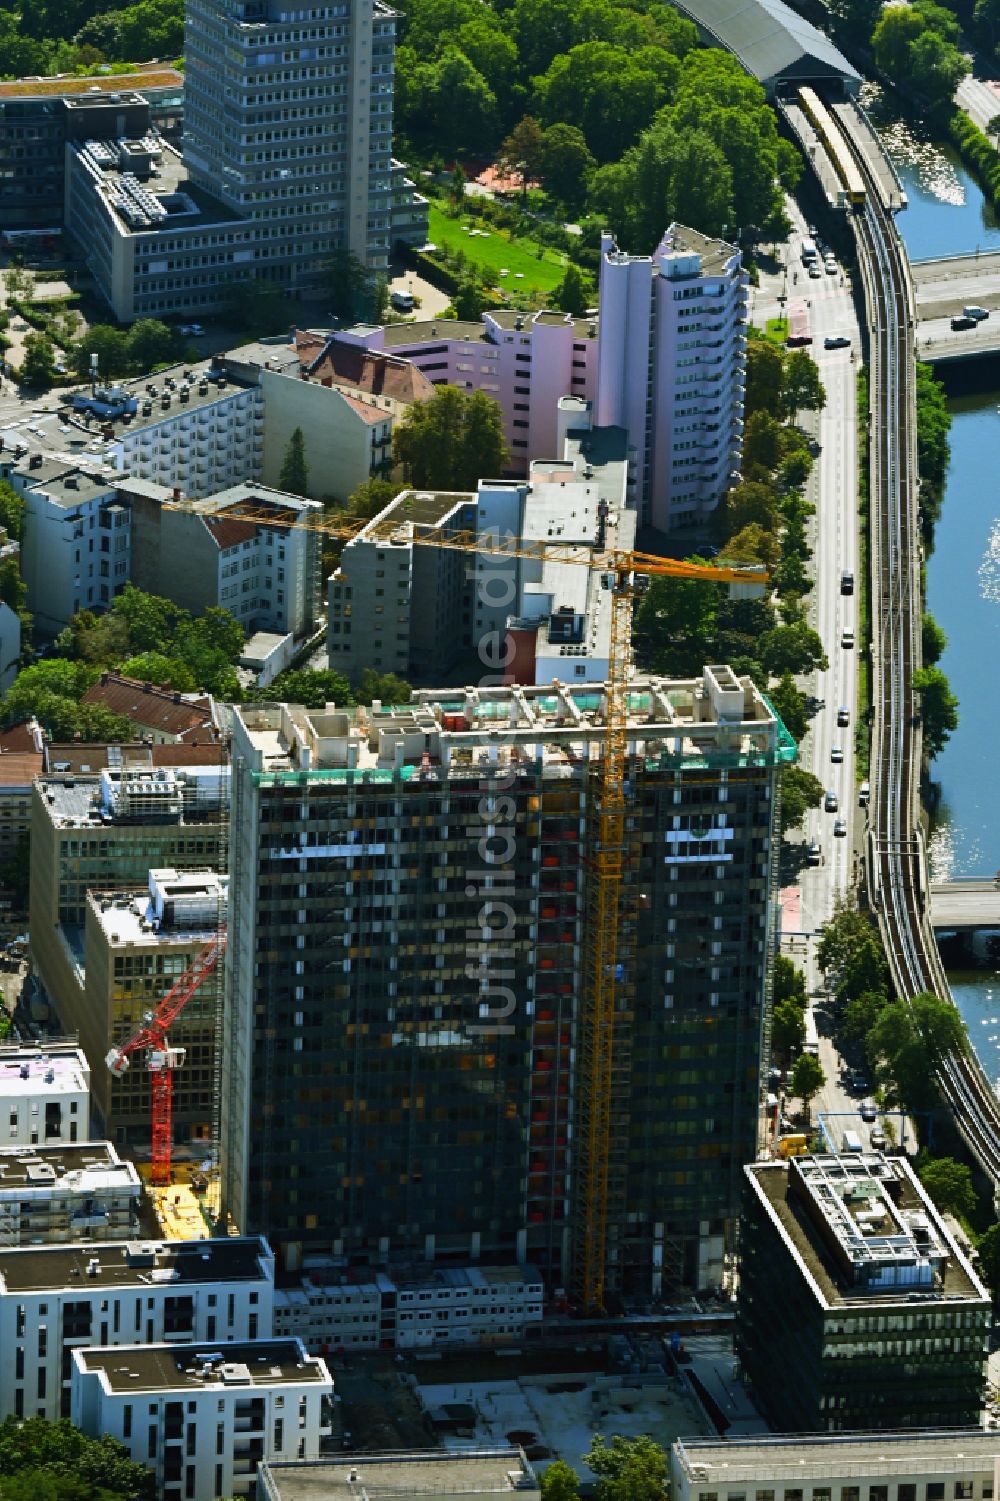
(430, 1475)
(671, 370)
(105, 833)
(59, 1194)
(137, 944)
(56, 1299)
(525, 361)
(856, 1309)
(44, 1095)
(397, 606)
(956, 1464)
(365, 1041)
(334, 1307)
(203, 1421)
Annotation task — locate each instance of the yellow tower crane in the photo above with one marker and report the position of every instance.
(626, 575)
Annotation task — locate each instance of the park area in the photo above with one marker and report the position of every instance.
(529, 266)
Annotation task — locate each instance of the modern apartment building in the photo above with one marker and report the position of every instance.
(428, 1475)
(59, 1194)
(137, 944)
(203, 1421)
(671, 367)
(956, 1464)
(525, 361)
(105, 832)
(54, 1299)
(394, 605)
(335, 1307)
(856, 1309)
(44, 1095)
(365, 1038)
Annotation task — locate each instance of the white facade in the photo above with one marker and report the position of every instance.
(671, 370)
(203, 1421)
(75, 549)
(44, 1096)
(201, 445)
(54, 1195)
(471, 1305)
(117, 1293)
(901, 1465)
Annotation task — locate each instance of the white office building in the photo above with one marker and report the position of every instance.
(671, 363)
(202, 1420)
(44, 1095)
(56, 1195)
(54, 1299)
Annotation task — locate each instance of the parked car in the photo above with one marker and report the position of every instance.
(962, 321)
(839, 829)
(191, 330)
(868, 1111)
(836, 341)
(830, 802)
(975, 312)
(843, 716)
(837, 753)
(847, 640)
(878, 1139)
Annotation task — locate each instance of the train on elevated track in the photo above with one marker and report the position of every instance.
(852, 182)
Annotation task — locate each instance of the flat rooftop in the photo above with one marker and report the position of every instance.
(91, 759)
(863, 1231)
(147, 80)
(131, 1264)
(808, 1456)
(392, 1477)
(84, 1167)
(30, 1071)
(168, 1367)
(715, 254)
(167, 203)
(172, 794)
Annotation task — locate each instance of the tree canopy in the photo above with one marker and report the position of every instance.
(949, 1184)
(628, 1469)
(39, 1459)
(452, 440)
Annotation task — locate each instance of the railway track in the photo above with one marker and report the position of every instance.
(896, 862)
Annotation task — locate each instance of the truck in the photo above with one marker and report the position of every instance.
(796, 1145)
(809, 252)
(851, 1142)
(811, 1043)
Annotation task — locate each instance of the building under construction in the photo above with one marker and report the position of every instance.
(405, 975)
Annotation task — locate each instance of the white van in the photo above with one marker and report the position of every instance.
(864, 794)
(851, 1142)
(402, 301)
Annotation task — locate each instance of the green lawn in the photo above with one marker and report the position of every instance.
(777, 330)
(495, 250)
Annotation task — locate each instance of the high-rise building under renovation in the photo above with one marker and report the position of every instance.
(288, 122)
(407, 951)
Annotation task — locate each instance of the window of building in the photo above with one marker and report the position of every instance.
(906, 1493)
(935, 1490)
(963, 1490)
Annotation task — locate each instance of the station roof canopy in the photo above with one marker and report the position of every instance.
(772, 42)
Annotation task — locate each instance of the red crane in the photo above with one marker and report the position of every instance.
(161, 1058)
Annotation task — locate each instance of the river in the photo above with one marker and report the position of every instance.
(947, 215)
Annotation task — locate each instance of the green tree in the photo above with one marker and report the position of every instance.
(452, 440)
(807, 1079)
(792, 648)
(38, 364)
(294, 476)
(800, 791)
(789, 982)
(111, 347)
(457, 185)
(670, 175)
(571, 295)
(932, 639)
(753, 544)
(861, 1014)
(842, 936)
(567, 164)
(35, 1449)
(387, 687)
(765, 377)
(789, 703)
(560, 1482)
(150, 343)
(628, 1469)
(949, 1184)
(469, 301)
(989, 1259)
(674, 622)
(151, 620)
(864, 969)
(522, 153)
(938, 708)
(762, 442)
(750, 503)
(166, 672)
(802, 389)
(908, 1043)
(346, 284)
(610, 92)
(254, 303)
(371, 497)
(986, 20)
(313, 689)
(788, 1028)
(11, 511)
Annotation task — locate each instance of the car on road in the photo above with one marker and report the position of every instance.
(839, 829)
(830, 267)
(830, 802)
(868, 1110)
(962, 322)
(859, 1082)
(847, 581)
(878, 1139)
(836, 341)
(847, 640)
(191, 330)
(975, 312)
(836, 753)
(814, 853)
(814, 272)
(843, 716)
